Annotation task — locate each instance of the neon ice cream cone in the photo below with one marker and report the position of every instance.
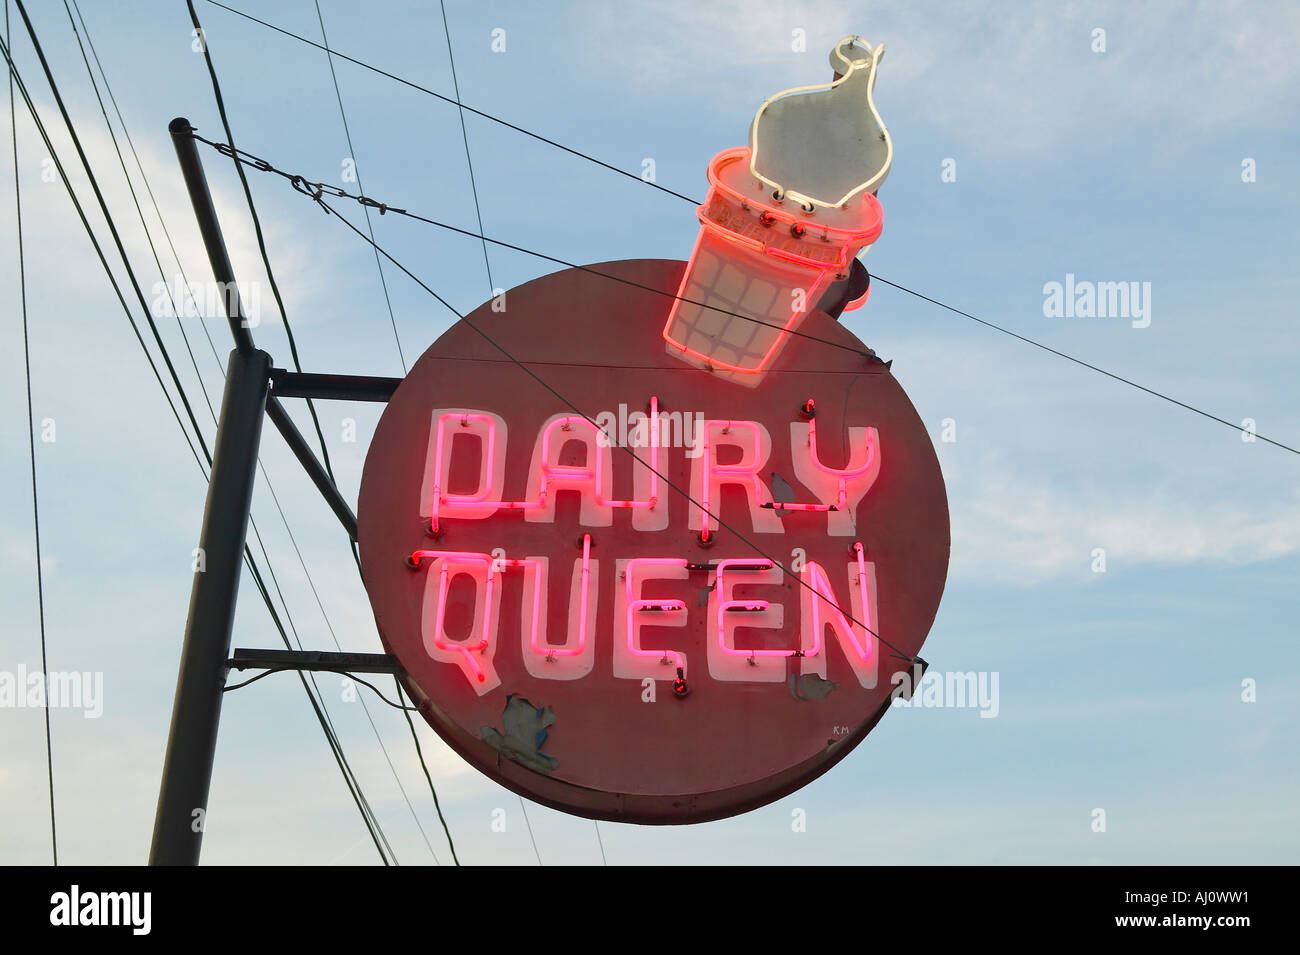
(784, 218)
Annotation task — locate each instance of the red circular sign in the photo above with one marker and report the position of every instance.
(566, 620)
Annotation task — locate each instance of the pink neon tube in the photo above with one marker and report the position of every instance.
(443, 500)
(822, 587)
(750, 475)
(635, 604)
(751, 606)
(844, 474)
(550, 650)
(450, 558)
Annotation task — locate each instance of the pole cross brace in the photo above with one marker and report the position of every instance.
(318, 660)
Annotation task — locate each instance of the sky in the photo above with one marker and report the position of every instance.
(1162, 691)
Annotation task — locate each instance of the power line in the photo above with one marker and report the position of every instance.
(257, 228)
(796, 577)
(531, 838)
(336, 748)
(31, 442)
(425, 766)
(356, 168)
(464, 135)
(121, 299)
(347, 132)
(364, 708)
(317, 189)
(655, 185)
(94, 241)
(112, 226)
(456, 102)
(203, 386)
(1080, 361)
(487, 264)
(351, 676)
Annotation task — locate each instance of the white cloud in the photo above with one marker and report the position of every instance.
(1004, 79)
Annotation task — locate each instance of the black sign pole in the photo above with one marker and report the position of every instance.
(192, 741)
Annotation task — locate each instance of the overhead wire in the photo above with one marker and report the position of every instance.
(469, 161)
(112, 278)
(207, 398)
(257, 229)
(487, 264)
(347, 673)
(1241, 428)
(266, 262)
(455, 102)
(795, 576)
(31, 443)
(356, 166)
(317, 188)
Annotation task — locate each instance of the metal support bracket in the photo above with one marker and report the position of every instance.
(318, 660)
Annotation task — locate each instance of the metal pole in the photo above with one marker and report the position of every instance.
(192, 741)
(197, 184)
(302, 451)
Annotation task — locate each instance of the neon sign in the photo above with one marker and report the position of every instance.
(626, 617)
(591, 484)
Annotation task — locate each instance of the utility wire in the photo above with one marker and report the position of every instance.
(655, 185)
(257, 228)
(103, 260)
(425, 766)
(531, 838)
(464, 135)
(487, 264)
(112, 226)
(456, 102)
(794, 576)
(207, 398)
(113, 281)
(1081, 362)
(364, 708)
(336, 748)
(356, 168)
(318, 189)
(351, 676)
(31, 443)
(261, 241)
(370, 229)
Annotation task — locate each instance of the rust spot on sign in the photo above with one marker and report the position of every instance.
(525, 732)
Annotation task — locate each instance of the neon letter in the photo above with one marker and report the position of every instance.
(708, 477)
(726, 614)
(473, 655)
(632, 612)
(435, 501)
(820, 609)
(839, 490)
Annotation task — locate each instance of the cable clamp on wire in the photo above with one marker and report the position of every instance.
(383, 207)
(311, 189)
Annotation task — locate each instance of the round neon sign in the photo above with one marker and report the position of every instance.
(583, 632)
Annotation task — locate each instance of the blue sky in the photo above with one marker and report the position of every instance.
(1119, 690)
